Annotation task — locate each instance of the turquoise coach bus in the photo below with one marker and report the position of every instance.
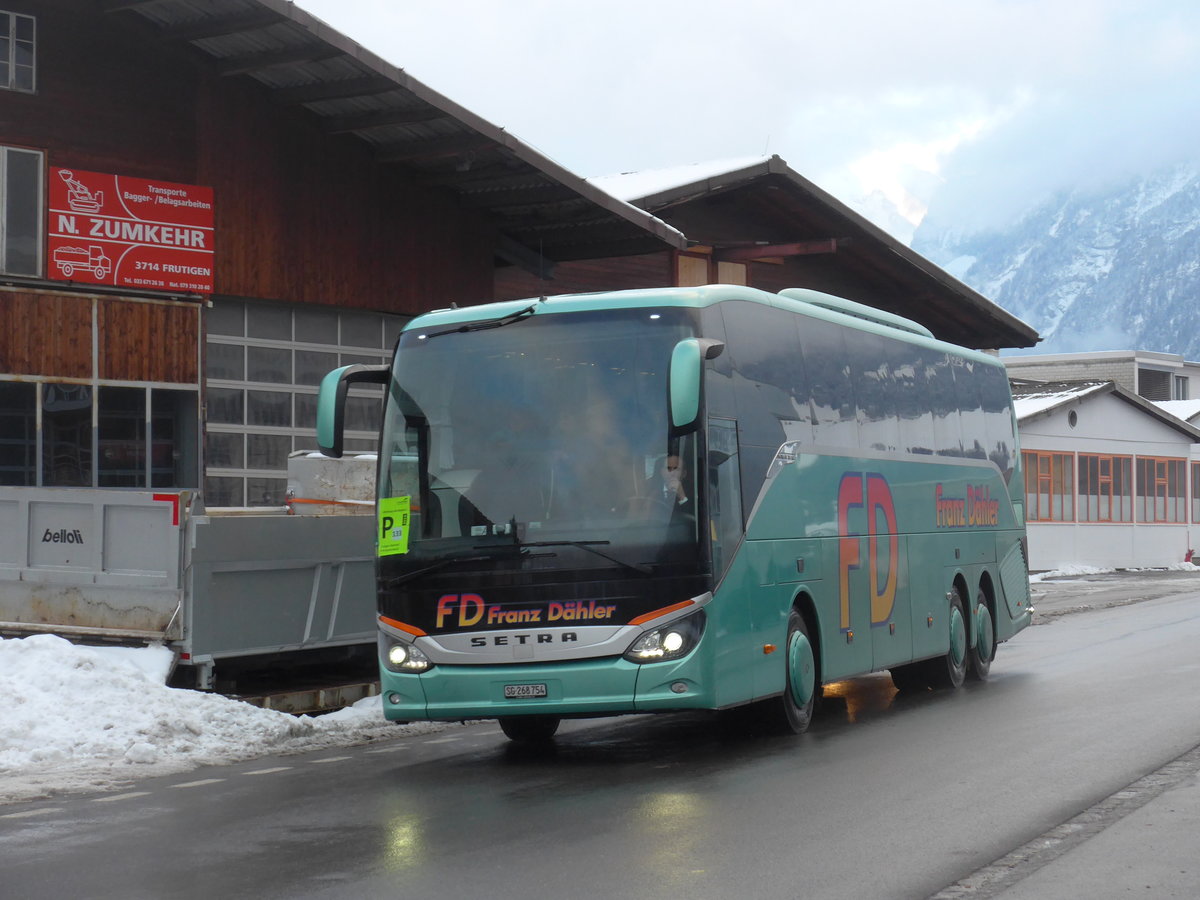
(684, 498)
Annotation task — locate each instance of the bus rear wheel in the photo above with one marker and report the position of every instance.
(529, 729)
(949, 671)
(979, 657)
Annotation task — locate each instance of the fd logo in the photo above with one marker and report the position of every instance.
(866, 499)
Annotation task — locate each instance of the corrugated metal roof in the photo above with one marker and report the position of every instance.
(544, 211)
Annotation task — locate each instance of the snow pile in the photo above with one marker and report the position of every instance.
(89, 718)
(1078, 571)
(1068, 572)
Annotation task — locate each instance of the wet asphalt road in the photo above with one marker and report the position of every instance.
(889, 796)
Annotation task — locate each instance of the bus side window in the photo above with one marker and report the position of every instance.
(724, 492)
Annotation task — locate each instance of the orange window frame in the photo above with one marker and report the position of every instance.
(1049, 486)
(1105, 476)
(1161, 480)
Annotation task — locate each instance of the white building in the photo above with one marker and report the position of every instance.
(1155, 376)
(1111, 480)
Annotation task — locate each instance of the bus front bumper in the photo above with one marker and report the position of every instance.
(595, 687)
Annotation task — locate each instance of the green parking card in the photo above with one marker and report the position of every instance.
(393, 525)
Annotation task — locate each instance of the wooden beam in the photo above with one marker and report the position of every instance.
(761, 251)
(364, 121)
(111, 6)
(254, 62)
(501, 199)
(435, 149)
(516, 253)
(218, 26)
(334, 90)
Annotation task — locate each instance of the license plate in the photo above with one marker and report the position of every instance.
(521, 691)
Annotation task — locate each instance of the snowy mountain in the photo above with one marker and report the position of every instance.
(1113, 269)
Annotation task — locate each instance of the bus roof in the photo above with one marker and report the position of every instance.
(802, 301)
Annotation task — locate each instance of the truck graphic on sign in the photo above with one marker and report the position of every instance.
(91, 259)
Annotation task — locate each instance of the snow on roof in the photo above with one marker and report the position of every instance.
(1030, 400)
(1188, 410)
(634, 185)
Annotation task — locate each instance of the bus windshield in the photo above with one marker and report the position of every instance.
(543, 429)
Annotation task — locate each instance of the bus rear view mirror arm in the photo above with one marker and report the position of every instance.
(331, 403)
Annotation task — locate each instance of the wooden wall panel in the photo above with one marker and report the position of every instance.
(300, 216)
(614, 274)
(310, 218)
(45, 334)
(148, 341)
(108, 99)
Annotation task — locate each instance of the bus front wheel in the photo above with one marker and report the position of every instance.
(529, 729)
(792, 712)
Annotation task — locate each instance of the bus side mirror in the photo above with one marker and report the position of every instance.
(686, 377)
(331, 403)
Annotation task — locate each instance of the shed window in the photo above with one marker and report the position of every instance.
(1049, 487)
(1160, 489)
(17, 51)
(1196, 493)
(1105, 488)
(20, 210)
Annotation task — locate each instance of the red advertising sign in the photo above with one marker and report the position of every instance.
(130, 232)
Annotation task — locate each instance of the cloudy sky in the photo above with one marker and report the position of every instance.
(975, 106)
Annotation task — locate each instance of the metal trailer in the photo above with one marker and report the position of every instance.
(216, 586)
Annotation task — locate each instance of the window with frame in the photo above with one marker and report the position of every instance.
(59, 434)
(1105, 488)
(18, 51)
(1196, 492)
(1161, 490)
(264, 365)
(20, 211)
(1049, 486)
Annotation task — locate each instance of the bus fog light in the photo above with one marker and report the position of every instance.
(679, 687)
(669, 642)
(394, 698)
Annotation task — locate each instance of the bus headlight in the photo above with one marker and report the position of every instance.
(398, 656)
(667, 642)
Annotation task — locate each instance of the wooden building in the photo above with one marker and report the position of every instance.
(762, 224)
(206, 206)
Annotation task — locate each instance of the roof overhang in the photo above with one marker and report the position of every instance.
(545, 213)
(798, 218)
(1061, 394)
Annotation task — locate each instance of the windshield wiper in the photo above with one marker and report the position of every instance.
(588, 546)
(483, 326)
(397, 580)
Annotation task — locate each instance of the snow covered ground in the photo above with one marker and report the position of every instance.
(78, 718)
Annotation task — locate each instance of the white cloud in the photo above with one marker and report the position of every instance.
(999, 99)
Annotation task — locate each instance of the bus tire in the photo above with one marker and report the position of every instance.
(792, 711)
(529, 729)
(949, 671)
(979, 657)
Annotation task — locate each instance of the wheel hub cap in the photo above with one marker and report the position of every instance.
(958, 637)
(802, 669)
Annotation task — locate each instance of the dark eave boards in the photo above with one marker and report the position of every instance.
(544, 213)
(785, 215)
